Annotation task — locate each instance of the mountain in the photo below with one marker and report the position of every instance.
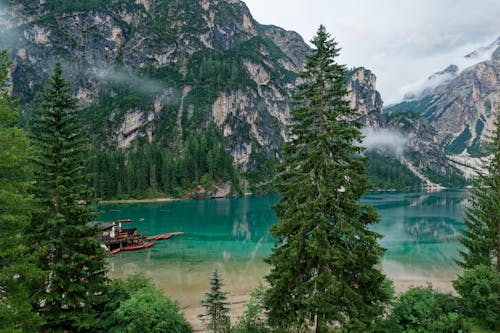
(154, 71)
(461, 107)
(198, 79)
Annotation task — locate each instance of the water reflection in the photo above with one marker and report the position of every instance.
(419, 232)
(433, 230)
(241, 229)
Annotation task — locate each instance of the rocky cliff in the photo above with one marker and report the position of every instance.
(157, 70)
(363, 94)
(154, 71)
(461, 107)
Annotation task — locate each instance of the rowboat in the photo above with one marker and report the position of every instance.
(164, 236)
(160, 237)
(138, 246)
(115, 251)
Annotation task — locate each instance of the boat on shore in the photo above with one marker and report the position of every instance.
(138, 246)
(164, 236)
(115, 251)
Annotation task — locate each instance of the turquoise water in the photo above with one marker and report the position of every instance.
(420, 234)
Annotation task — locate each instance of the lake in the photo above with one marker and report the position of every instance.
(420, 232)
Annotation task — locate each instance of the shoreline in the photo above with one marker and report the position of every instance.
(238, 301)
(247, 194)
(129, 201)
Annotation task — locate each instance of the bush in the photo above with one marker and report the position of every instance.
(149, 311)
(479, 289)
(254, 317)
(137, 306)
(424, 310)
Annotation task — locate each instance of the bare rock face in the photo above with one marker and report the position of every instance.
(421, 150)
(363, 94)
(464, 101)
(459, 106)
(462, 109)
(291, 43)
(154, 70)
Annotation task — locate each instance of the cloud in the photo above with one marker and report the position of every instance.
(141, 84)
(400, 41)
(9, 35)
(464, 57)
(384, 138)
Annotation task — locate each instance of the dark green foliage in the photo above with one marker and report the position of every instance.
(217, 307)
(423, 310)
(253, 319)
(62, 6)
(115, 99)
(476, 149)
(149, 171)
(487, 105)
(418, 106)
(323, 266)
(481, 236)
(68, 252)
(479, 289)
(214, 72)
(16, 266)
(453, 179)
(149, 311)
(458, 145)
(386, 172)
(261, 173)
(136, 306)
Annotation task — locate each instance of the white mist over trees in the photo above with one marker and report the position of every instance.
(384, 138)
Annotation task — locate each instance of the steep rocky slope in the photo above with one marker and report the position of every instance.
(461, 107)
(155, 71)
(159, 69)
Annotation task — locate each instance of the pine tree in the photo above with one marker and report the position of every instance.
(16, 272)
(481, 237)
(69, 253)
(216, 305)
(323, 266)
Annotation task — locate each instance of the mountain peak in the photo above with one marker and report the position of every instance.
(484, 51)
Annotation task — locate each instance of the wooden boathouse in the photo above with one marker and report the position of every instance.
(116, 237)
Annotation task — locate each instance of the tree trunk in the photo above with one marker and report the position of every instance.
(318, 324)
(497, 242)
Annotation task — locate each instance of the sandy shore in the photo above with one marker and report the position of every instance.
(132, 201)
(238, 301)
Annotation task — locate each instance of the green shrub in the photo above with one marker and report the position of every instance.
(254, 318)
(149, 311)
(479, 289)
(137, 306)
(423, 310)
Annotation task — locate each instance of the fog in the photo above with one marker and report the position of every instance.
(384, 138)
(463, 60)
(141, 84)
(9, 36)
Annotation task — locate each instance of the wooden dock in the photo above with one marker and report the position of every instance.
(116, 238)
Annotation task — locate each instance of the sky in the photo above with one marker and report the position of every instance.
(402, 42)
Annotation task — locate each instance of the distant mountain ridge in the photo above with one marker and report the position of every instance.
(156, 71)
(461, 107)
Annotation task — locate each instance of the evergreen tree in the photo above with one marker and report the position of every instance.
(216, 305)
(16, 272)
(481, 237)
(323, 266)
(69, 253)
